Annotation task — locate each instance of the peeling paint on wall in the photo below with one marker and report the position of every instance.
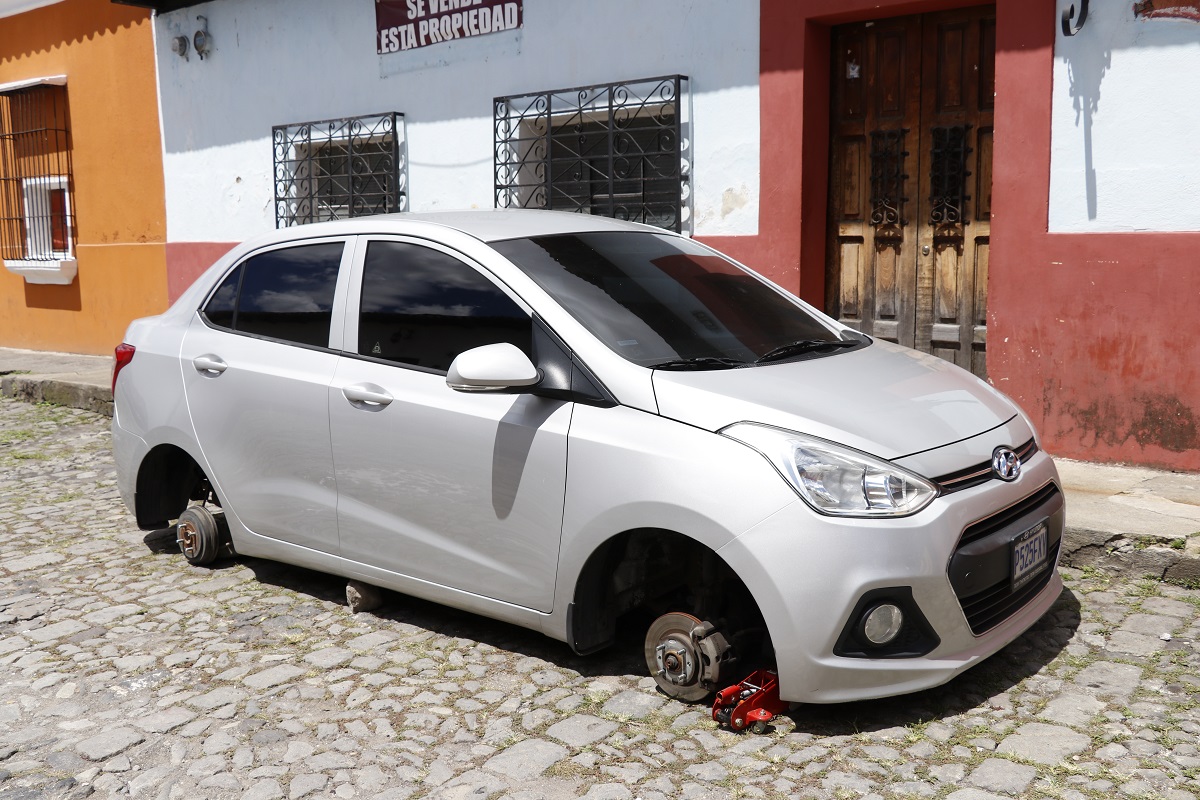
(1168, 9)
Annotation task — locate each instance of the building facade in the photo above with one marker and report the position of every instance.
(82, 228)
(1005, 186)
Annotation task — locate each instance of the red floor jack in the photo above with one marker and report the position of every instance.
(752, 703)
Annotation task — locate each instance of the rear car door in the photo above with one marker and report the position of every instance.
(257, 362)
(461, 490)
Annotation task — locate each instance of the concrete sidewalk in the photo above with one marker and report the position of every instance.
(1127, 520)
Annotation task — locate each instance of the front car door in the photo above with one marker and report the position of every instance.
(257, 361)
(463, 490)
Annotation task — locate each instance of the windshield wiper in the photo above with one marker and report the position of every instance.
(802, 346)
(699, 362)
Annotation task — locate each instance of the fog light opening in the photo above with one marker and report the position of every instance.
(882, 623)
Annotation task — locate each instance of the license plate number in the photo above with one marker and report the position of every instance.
(1028, 555)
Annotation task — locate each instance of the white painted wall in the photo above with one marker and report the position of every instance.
(287, 61)
(1126, 111)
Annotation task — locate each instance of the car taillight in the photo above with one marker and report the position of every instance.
(124, 354)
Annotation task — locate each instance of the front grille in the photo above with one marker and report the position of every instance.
(986, 527)
(980, 473)
(987, 609)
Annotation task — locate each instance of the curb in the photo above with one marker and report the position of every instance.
(1128, 555)
(64, 393)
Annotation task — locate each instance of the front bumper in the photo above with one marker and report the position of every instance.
(808, 572)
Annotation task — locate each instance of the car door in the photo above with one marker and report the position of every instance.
(257, 364)
(459, 489)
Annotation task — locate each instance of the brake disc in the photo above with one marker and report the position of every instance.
(685, 656)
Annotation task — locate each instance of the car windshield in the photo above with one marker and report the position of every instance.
(662, 301)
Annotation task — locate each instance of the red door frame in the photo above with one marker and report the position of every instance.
(1088, 332)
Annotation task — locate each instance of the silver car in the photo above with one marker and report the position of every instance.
(579, 425)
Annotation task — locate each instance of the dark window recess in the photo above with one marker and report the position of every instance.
(36, 223)
(423, 307)
(282, 294)
(616, 150)
(339, 168)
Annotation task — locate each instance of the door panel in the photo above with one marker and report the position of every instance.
(262, 425)
(910, 180)
(462, 490)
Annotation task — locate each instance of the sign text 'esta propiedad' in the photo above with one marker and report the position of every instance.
(409, 24)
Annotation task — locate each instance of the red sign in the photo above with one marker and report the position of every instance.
(409, 24)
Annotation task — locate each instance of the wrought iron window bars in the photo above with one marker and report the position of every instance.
(36, 219)
(340, 168)
(620, 150)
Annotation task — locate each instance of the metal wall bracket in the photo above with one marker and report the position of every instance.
(1069, 28)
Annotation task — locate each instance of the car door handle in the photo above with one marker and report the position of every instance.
(209, 365)
(366, 394)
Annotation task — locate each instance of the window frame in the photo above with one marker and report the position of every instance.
(40, 154)
(336, 321)
(353, 300)
(296, 150)
(529, 128)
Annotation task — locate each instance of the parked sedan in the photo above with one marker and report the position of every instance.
(578, 425)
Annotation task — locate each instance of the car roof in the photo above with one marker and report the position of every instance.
(488, 225)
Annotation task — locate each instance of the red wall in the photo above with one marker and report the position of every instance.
(187, 261)
(1087, 332)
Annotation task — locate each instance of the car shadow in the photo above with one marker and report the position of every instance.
(161, 541)
(983, 685)
(624, 658)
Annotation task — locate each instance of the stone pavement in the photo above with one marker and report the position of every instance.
(1125, 520)
(125, 672)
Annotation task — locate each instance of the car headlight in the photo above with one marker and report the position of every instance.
(837, 480)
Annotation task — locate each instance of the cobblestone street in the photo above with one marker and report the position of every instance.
(125, 671)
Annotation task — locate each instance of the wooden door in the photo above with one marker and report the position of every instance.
(910, 180)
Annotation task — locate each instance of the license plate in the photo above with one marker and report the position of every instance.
(1028, 555)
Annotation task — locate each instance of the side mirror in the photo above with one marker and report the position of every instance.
(498, 368)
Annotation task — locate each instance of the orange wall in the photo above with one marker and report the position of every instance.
(106, 51)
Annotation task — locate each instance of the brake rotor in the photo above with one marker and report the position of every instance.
(673, 657)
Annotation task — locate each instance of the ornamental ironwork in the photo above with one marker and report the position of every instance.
(619, 150)
(888, 177)
(948, 175)
(36, 218)
(339, 168)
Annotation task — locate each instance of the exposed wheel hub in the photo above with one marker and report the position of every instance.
(685, 656)
(187, 538)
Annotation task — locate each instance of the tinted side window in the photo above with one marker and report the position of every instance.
(288, 294)
(220, 307)
(423, 307)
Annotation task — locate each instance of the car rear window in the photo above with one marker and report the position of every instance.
(284, 294)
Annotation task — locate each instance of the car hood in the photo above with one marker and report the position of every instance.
(883, 399)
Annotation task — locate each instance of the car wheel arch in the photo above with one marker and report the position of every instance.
(618, 577)
(168, 478)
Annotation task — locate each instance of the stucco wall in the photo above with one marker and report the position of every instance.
(1124, 122)
(1088, 331)
(106, 52)
(286, 61)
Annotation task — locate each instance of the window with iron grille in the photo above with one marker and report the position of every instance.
(617, 150)
(37, 224)
(339, 168)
